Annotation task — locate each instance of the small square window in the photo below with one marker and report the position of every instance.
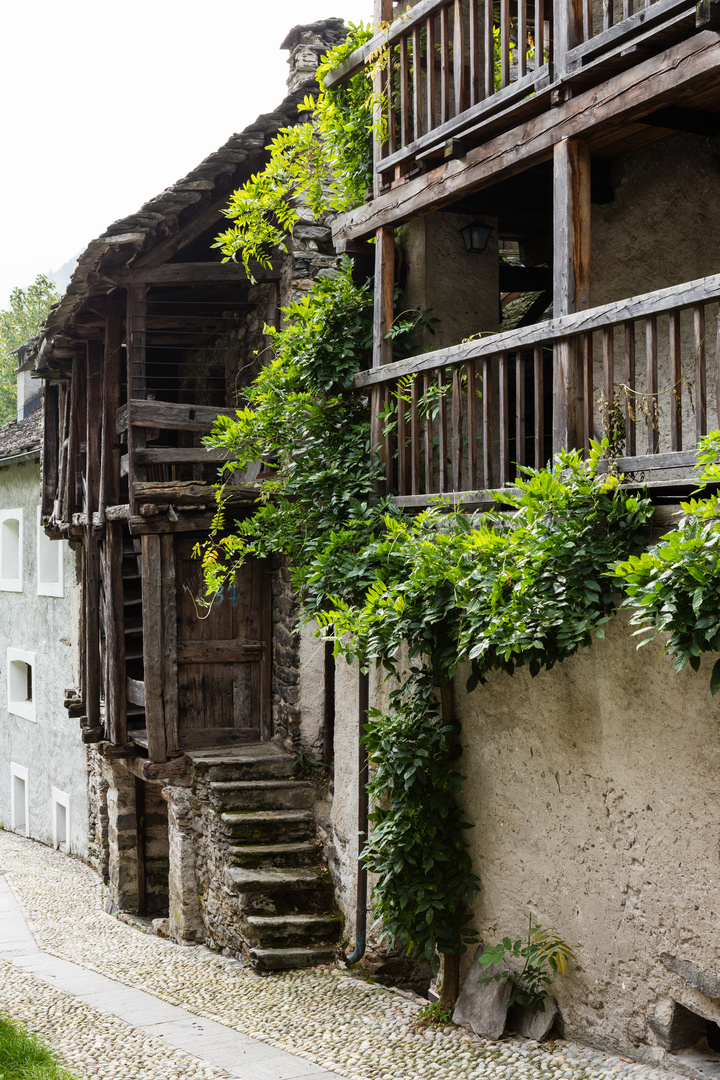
(11, 548)
(61, 819)
(49, 562)
(21, 683)
(19, 809)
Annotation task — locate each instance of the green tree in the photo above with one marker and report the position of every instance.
(22, 320)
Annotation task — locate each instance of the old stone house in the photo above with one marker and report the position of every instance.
(579, 143)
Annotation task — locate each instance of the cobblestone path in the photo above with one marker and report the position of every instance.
(325, 1018)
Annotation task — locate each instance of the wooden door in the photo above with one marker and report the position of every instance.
(223, 656)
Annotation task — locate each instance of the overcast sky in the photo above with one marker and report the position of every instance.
(102, 105)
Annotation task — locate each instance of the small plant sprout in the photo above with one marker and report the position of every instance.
(543, 952)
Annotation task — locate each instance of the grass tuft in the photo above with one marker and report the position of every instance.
(25, 1057)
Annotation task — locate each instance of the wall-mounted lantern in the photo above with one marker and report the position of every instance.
(475, 236)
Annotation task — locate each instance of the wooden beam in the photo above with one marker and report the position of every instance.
(622, 99)
(51, 446)
(136, 358)
(218, 652)
(186, 492)
(195, 273)
(93, 414)
(181, 455)
(571, 234)
(168, 415)
(111, 390)
(200, 223)
(141, 526)
(152, 647)
(384, 296)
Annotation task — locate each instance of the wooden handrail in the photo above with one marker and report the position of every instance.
(676, 297)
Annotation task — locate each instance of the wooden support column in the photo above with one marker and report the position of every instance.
(136, 339)
(382, 322)
(382, 14)
(567, 32)
(51, 448)
(93, 411)
(112, 381)
(152, 609)
(116, 687)
(571, 292)
(169, 642)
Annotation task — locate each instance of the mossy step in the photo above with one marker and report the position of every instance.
(268, 826)
(291, 931)
(268, 855)
(272, 767)
(275, 879)
(287, 959)
(263, 794)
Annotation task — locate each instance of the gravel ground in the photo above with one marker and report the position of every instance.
(358, 1029)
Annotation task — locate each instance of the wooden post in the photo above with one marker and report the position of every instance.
(110, 451)
(116, 687)
(383, 14)
(169, 642)
(152, 646)
(136, 340)
(571, 292)
(51, 448)
(567, 32)
(93, 413)
(382, 322)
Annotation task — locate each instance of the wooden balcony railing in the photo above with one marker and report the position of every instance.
(456, 70)
(463, 419)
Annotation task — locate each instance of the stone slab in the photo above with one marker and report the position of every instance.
(483, 1008)
(531, 1023)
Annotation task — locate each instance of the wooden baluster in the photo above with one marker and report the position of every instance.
(417, 83)
(539, 404)
(504, 419)
(700, 372)
(430, 73)
(377, 442)
(489, 49)
(459, 79)
(717, 370)
(652, 384)
(387, 440)
(608, 366)
(630, 399)
(474, 30)
(675, 350)
(628, 8)
(384, 295)
(442, 433)
(444, 65)
(519, 409)
(404, 94)
(401, 440)
(457, 436)
(588, 391)
(504, 42)
(471, 424)
(487, 419)
(429, 479)
(522, 37)
(390, 91)
(415, 436)
(608, 15)
(539, 33)
(587, 16)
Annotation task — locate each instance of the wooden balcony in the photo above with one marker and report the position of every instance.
(458, 422)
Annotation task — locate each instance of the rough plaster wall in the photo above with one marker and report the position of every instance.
(50, 748)
(342, 840)
(661, 229)
(596, 801)
(460, 289)
(311, 689)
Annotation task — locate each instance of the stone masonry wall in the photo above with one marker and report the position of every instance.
(98, 824)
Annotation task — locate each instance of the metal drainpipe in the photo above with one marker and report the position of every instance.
(362, 819)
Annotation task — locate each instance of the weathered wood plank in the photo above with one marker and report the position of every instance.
(50, 455)
(651, 354)
(219, 652)
(415, 436)
(181, 455)
(384, 296)
(115, 688)
(442, 432)
(700, 372)
(520, 408)
(674, 349)
(444, 65)
(169, 642)
(135, 691)
(459, 73)
(504, 407)
(186, 492)
(457, 432)
(487, 422)
(539, 406)
(472, 422)
(630, 405)
(111, 390)
(623, 97)
(152, 617)
(191, 273)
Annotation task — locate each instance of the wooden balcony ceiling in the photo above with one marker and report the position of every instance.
(677, 91)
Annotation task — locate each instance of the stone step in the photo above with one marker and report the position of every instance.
(247, 767)
(263, 794)
(268, 855)
(286, 959)
(291, 931)
(270, 826)
(275, 879)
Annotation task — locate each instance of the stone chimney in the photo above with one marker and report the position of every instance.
(307, 44)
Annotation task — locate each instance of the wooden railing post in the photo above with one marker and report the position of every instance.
(571, 271)
(567, 32)
(382, 14)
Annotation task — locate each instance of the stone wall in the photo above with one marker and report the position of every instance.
(98, 823)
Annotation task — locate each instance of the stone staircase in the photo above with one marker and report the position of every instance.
(270, 894)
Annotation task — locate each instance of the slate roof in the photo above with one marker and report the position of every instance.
(23, 437)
